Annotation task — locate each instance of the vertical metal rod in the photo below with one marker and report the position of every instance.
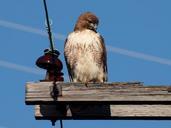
(61, 123)
(48, 27)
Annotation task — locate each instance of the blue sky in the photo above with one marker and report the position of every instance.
(136, 32)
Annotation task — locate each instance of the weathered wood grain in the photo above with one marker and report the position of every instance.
(99, 101)
(101, 93)
(157, 112)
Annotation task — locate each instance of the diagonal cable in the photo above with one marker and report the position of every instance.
(125, 52)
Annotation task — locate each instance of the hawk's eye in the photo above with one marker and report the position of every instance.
(90, 22)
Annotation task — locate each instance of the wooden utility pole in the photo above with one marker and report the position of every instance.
(119, 100)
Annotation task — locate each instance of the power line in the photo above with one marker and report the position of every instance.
(129, 53)
(22, 68)
(24, 28)
(139, 55)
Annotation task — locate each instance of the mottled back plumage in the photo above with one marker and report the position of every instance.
(85, 52)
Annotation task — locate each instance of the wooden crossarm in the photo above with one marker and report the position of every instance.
(119, 100)
(102, 93)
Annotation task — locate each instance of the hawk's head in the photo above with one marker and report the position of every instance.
(87, 21)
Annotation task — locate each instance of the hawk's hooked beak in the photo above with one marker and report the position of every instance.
(94, 26)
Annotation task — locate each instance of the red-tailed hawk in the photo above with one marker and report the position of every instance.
(85, 52)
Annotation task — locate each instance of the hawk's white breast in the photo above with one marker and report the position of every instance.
(86, 46)
(86, 37)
